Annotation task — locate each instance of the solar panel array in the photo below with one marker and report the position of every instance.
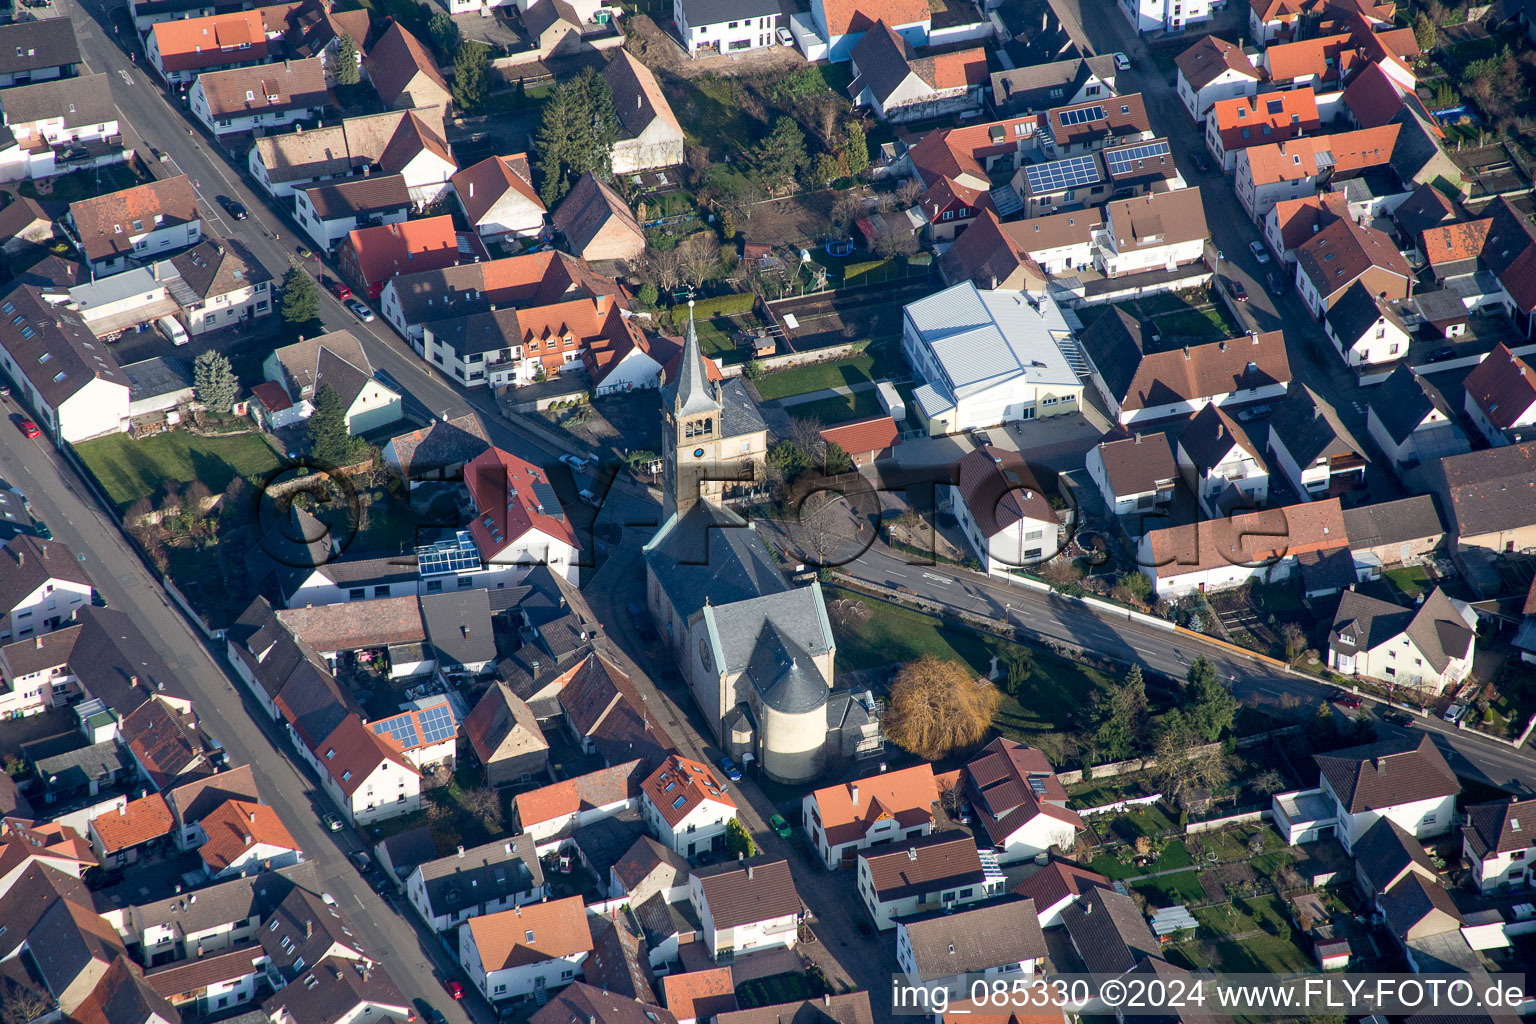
(437, 723)
(1059, 174)
(544, 494)
(457, 555)
(1119, 161)
(401, 727)
(1082, 115)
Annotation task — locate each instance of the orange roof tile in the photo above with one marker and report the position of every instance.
(849, 809)
(1504, 387)
(1300, 219)
(1208, 58)
(952, 70)
(1290, 160)
(136, 822)
(594, 789)
(353, 752)
(699, 995)
(502, 485)
(385, 250)
(531, 934)
(680, 784)
(235, 825)
(1245, 121)
(1451, 243)
(849, 16)
(872, 435)
(1323, 57)
(209, 42)
(1251, 539)
(1368, 147)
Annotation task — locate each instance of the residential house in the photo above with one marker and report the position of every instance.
(527, 949)
(196, 798)
(951, 949)
(119, 836)
(1057, 886)
(552, 812)
(336, 361)
(506, 738)
(865, 441)
(366, 773)
(1088, 127)
(369, 257)
(181, 49)
(1268, 174)
(1291, 222)
(518, 519)
(498, 199)
(1236, 124)
(486, 879)
(405, 75)
(166, 744)
(1492, 500)
(1212, 70)
(225, 285)
(427, 729)
(56, 127)
(955, 165)
(1039, 87)
(345, 987)
(43, 583)
(315, 28)
(1108, 933)
(459, 631)
(898, 85)
(935, 872)
(1411, 421)
(1501, 397)
(245, 838)
(1497, 846)
(67, 378)
(1216, 457)
(1137, 168)
(38, 51)
(1020, 804)
(986, 255)
(842, 23)
(1392, 533)
(1385, 855)
(648, 869)
(746, 907)
(209, 984)
(650, 135)
(843, 819)
(1136, 474)
(138, 222)
(703, 26)
(1364, 328)
(1139, 382)
(1073, 184)
(1423, 650)
(35, 677)
(330, 212)
(1312, 447)
(987, 358)
(597, 224)
(1165, 15)
(696, 997)
(1344, 252)
(25, 226)
(687, 807)
(1059, 243)
(1161, 230)
(1001, 510)
(438, 451)
(403, 142)
(1265, 546)
(262, 97)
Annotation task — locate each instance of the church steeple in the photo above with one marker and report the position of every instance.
(692, 408)
(692, 394)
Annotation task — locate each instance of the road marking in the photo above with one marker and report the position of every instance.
(945, 580)
(125, 75)
(903, 575)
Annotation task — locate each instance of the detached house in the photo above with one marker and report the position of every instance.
(405, 75)
(1020, 804)
(517, 952)
(898, 85)
(136, 223)
(1344, 252)
(841, 820)
(1312, 447)
(1161, 230)
(1492, 500)
(726, 30)
(1000, 942)
(330, 212)
(1499, 843)
(1212, 70)
(1423, 650)
(746, 907)
(450, 890)
(687, 807)
(65, 125)
(245, 838)
(1501, 398)
(1411, 421)
(1216, 458)
(1042, 86)
(262, 97)
(1002, 511)
(650, 135)
(1365, 329)
(842, 23)
(1135, 474)
(334, 360)
(42, 583)
(498, 199)
(597, 224)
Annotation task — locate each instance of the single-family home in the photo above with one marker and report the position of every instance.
(1057, 886)
(842, 23)
(1405, 779)
(135, 826)
(1059, 243)
(1107, 932)
(331, 211)
(1238, 123)
(403, 142)
(1141, 381)
(1160, 230)
(843, 819)
(1166, 15)
(135, 223)
(1271, 173)
(1135, 473)
(527, 949)
(951, 949)
(498, 199)
(898, 85)
(1364, 328)
(1423, 650)
(518, 519)
(649, 133)
(42, 583)
(552, 812)
(262, 97)
(1411, 421)
(1385, 855)
(450, 890)
(1020, 804)
(245, 838)
(1214, 454)
(746, 907)
(987, 358)
(1312, 447)
(38, 50)
(225, 285)
(66, 376)
(438, 451)
(1498, 846)
(597, 223)
(687, 807)
(366, 773)
(1290, 222)
(733, 30)
(1212, 70)
(335, 361)
(1265, 545)
(1492, 499)
(1501, 397)
(68, 124)
(368, 257)
(1039, 87)
(1084, 128)
(506, 737)
(1001, 510)
(181, 49)
(1344, 252)
(404, 74)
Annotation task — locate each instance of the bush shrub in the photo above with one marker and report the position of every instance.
(733, 304)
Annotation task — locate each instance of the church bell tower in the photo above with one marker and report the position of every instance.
(691, 432)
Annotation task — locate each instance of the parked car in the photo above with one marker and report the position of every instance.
(361, 861)
(233, 207)
(1455, 713)
(29, 428)
(1259, 252)
(456, 988)
(1122, 62)
(341, 291)
(41, 529)
(5, 391)
(1441, 354)
(331, 822)
(1348, 699)
(1276, 283)
(360, 311)
(574, 461)
(1239, 293)
(435, 1016)
(729, 769)
(1397, 718)
(786, 38)
(1202, 164)
(779, 825)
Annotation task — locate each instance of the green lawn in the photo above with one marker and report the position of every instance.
(1174, 856)
(69, 188)
(861, 405)
(1410, 580)
(132, 469)
(1169, 890)
(818, 376)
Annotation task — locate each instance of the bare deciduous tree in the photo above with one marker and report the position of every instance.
(701, 256)
(893, 240)
(667, 265)
(937, 708)
(907, 192)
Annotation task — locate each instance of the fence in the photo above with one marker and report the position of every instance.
(816, 355)
(1119, 805)
(1242, 818)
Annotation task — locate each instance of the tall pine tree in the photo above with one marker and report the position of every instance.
(576, 134)
(347, 72)
(301, 299)
(329, 442)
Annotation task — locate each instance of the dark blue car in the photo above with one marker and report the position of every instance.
(728, 767)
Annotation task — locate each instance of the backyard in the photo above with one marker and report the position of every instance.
(1184, 318)
(880, 360)
(129, 469)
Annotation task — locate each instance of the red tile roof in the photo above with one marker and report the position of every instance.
(699, 995)
(1504, 387)
(1209, 58)
(952, 70)
(1056, 881)
(353, 752)
(382, 251)
(1245, 121)
(682, 784)
(236, 825)
(1337, 255)
(136, 822)
(848, 810)
(213, 41)
(1325, 57)
(507, 503)
(1300, 219)
(1452, 243)
(595, 789)
(531, 934)
(1251, 539)
(849, 16)
(872, 435)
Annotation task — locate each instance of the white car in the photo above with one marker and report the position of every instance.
(574, 461)
(785, 38)
(1454, 713)
(1122, 62)
(1259, 252)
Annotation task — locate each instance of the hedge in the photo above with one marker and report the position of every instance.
(721, 305)
(853, 271)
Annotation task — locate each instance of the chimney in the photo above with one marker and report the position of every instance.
(911, 853)
(122, 809)
(21, 558)
(602, 302)
(309, 929)
(854, 789)
(133, 680)
(38, 643)
(749, 872)
(249, 839)
(471, 190)
(461, 853)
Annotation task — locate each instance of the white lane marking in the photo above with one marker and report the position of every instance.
(945, 580)
(125, 75)
(903, 575)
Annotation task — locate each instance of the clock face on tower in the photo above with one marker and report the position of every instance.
(705, 658)
(698, 453)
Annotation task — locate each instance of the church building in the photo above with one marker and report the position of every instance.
(756, 650)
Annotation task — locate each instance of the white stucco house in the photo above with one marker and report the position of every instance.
(331, 211)
(259, 98)
(57, 366)
(933, 873)
(1266, 546)
(528, 949)
(711, 28)
(1499, 843)
(1020, 804)
(42, 583)
(1211, 70)
(1411, 421)
(1135, 474)
(650, 135)
(481, 880)
(1423, 650)
(367, 775)
(687, 806)
(1002, 512)
(1366, 331)
(952, 949)
(843, 819)
(1501, 397)
(746, 907)
(1156, 231)
(1215, 453)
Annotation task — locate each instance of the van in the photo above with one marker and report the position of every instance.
(171, 328)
